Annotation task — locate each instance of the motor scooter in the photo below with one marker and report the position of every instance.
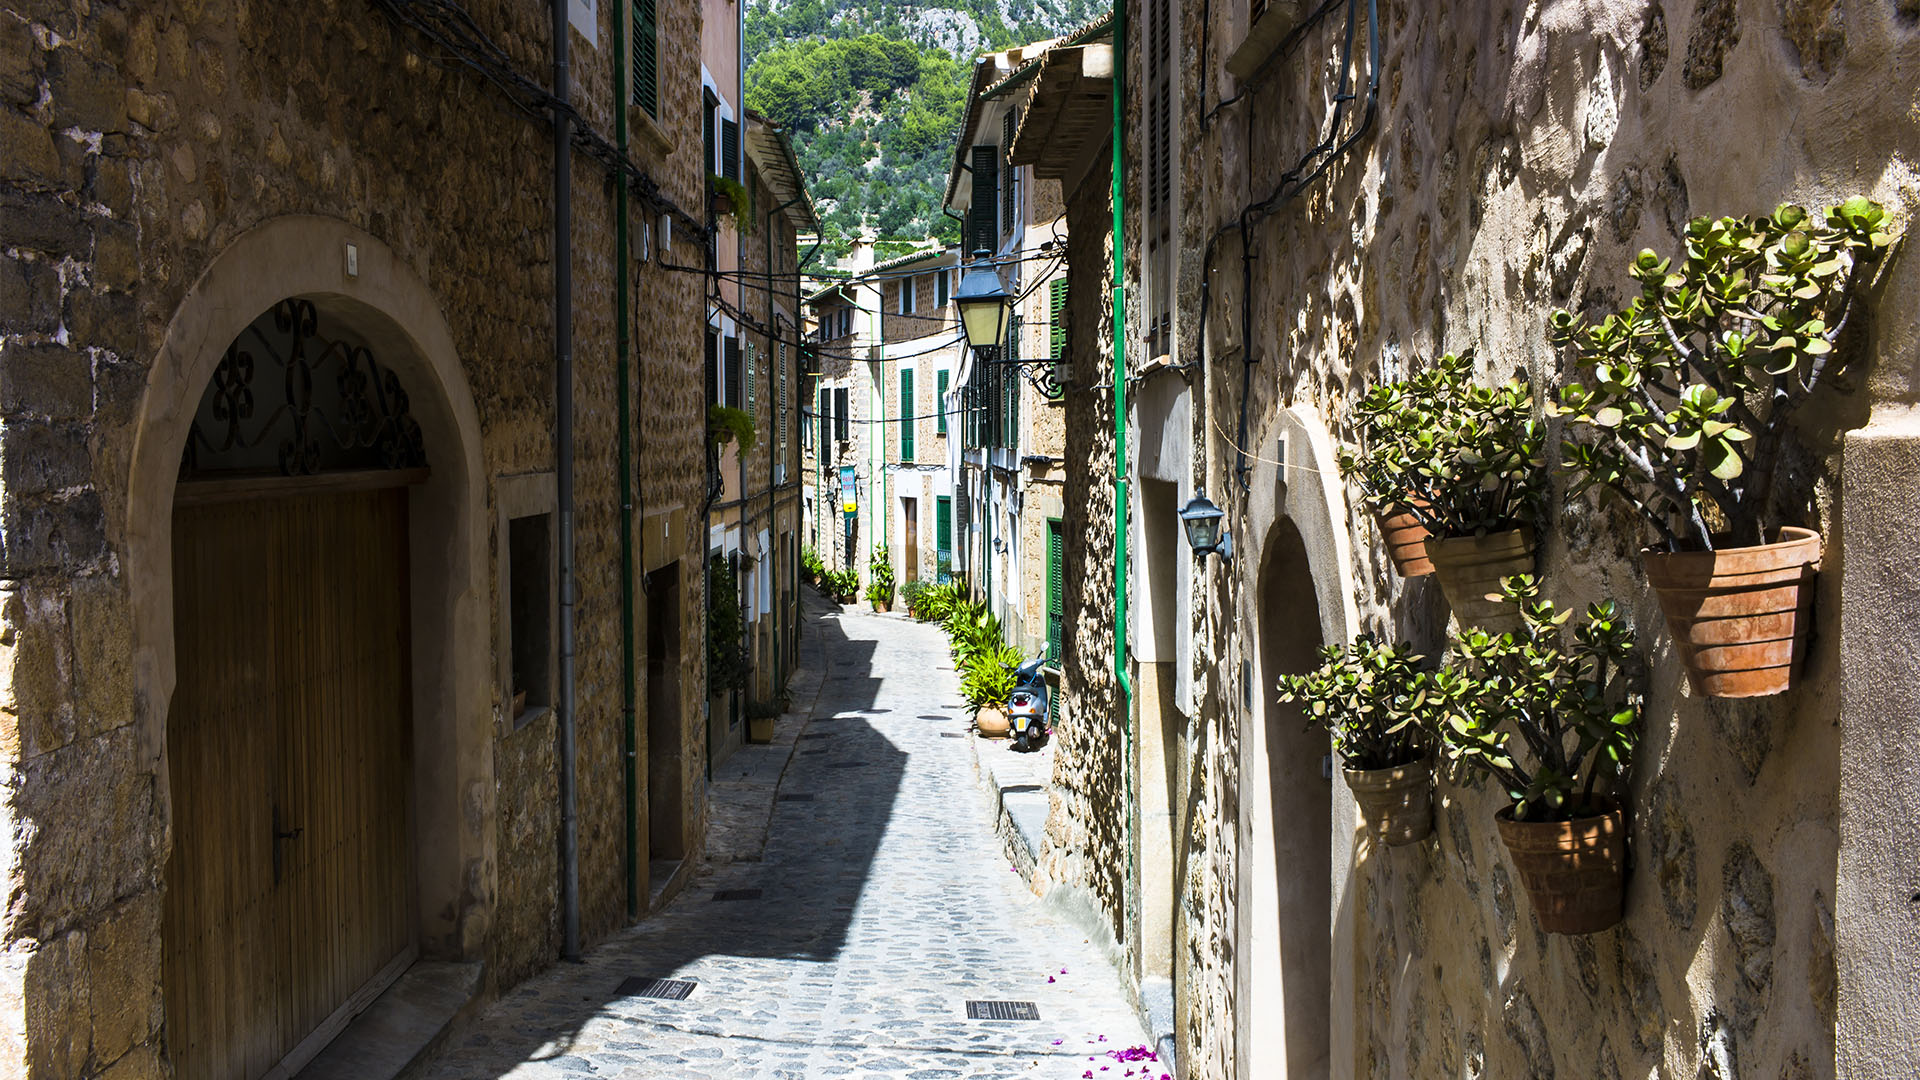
(1027, 707)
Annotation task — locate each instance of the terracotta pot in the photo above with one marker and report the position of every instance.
(1470, 568)
(1574, 871)
(1740, 616)
(882, 606)
(1406, 540)
(1395, 803)
(760, 729)
(992, 723)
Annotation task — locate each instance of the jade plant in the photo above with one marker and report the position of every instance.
(1464, 459)
(1371, 699)
(1553, 721)
(1690, 390)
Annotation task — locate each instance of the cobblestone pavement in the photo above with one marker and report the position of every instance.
(884, 904)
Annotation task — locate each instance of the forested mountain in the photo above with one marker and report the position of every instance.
(873, 92)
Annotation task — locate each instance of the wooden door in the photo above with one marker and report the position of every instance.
(289, 752)
(910, 519)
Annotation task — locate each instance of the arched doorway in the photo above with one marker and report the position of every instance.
(289, 893)
(1296, 946)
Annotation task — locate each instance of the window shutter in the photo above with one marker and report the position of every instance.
(1057, 316)
(709, 130)
(752, 379)
(826, 425)
(713, 367)
(986, 193)
(906, 416)
(940, 402)
(646, 57)
(783, 399)
(943, 543)
(732, 376)
(1010, 206)
(730, 149)
(944, 282)
(840, 421)
(1056, 589)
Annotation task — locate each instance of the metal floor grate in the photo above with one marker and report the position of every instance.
(668, 989)
(1002, 1010)
(846, 764)
(797, 796)
(953, 734)
(818, 735)
(737, 894)
(934, 716)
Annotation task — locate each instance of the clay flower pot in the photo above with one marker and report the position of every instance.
(1406, 540)
(1469, 569)
(1574, 871)
(1395, 803)
(1740, 616)
(992, 723)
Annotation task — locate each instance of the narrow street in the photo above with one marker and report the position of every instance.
(850, 945)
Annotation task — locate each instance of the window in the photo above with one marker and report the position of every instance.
(1159, 178)
(986, 192)
(846, 321)
(530, 612)
(751, 378)
(1057, 317)
(709, 134)
(943, 538)
(907, 297)
(940, 400)
(646, 57)
(943, 283)
(730, 375)
(907, 423)
(713, 367)
(782, 403)
(840, 418)
(1056, 589)
(1010, 206)
(730, 150)
(826, 424)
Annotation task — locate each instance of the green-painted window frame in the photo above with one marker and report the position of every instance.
(940, 401)
(1057, 316)
(906, 416)
(646, 57)
(943, 524)
(1056, 589)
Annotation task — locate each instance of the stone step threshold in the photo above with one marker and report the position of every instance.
(399, 1028)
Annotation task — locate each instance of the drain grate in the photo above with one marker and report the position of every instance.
(818, 735)
(737, 894)
(667, 989)
(1002, 1010)
(815, 750)
(934, 716)
(797, 796)
(953, 734)
(846, 764)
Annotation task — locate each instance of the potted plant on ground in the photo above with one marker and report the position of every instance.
(914, 596)
(1455, 473)
(1370, 697)
(846, 585)
(880, 580)
(1555, 724)
(760, 719)
(811, 566)
(987, 684)
(1692, 394)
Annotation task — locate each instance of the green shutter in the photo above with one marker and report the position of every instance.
(646, 57)
(826, 427)
(940, 403)
(943, 524)
(906, 416)
(1057, 315)
(1056, 589)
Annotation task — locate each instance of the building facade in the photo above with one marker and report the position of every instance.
(920, 350)
(315, 487)
(1312, 201)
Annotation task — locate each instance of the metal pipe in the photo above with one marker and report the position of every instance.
(623, 377)
(563, 440)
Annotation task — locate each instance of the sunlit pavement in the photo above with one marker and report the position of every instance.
(883, 905)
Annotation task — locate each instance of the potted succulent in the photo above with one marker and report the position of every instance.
(1454, 472)
(1692, 394)
(880, 580)
(1555, 724)
(1370, 697)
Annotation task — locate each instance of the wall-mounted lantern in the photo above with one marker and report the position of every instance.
(1206, 527)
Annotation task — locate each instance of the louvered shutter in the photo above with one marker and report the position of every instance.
(1010, 206)
(731, 387)
(646, 57)
(840, 419)
(943, 518)
(826, 425)
(730, 149)
(906, 416)
(986, 194)
(783, 399)
(713, 368)
(1056, 589)
(752, 378)
(1057, 316)
(940, 381)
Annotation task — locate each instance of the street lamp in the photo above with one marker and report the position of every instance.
(982, 300)
(1204, 524)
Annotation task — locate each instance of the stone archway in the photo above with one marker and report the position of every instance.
(445, 554)
(1294, 959)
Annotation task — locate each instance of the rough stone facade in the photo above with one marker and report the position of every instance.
(1518, 158)
(140, 143)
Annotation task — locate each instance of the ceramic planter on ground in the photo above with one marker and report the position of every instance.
(760, 729)
(1395, 803)
(1469, 569)
(1574, 871)
(1740, 616)
(1406, 538)
(992, 723)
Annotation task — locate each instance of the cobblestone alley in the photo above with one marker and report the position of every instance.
(843, 935)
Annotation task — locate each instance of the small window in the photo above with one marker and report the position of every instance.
(940, 398)
(907, 290)
(530, 613)
(942, 286)
(840, 418)
(730, 150)
(646, 57)
(906, 416)
(730, 383)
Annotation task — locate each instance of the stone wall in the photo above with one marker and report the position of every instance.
(141, 141)
(1519, 156)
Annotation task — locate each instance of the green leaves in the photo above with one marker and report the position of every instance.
(1680, 398)
(1371, 698)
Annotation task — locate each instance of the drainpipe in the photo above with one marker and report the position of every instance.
(563, 439)
(1119, 294)
(622, 378)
